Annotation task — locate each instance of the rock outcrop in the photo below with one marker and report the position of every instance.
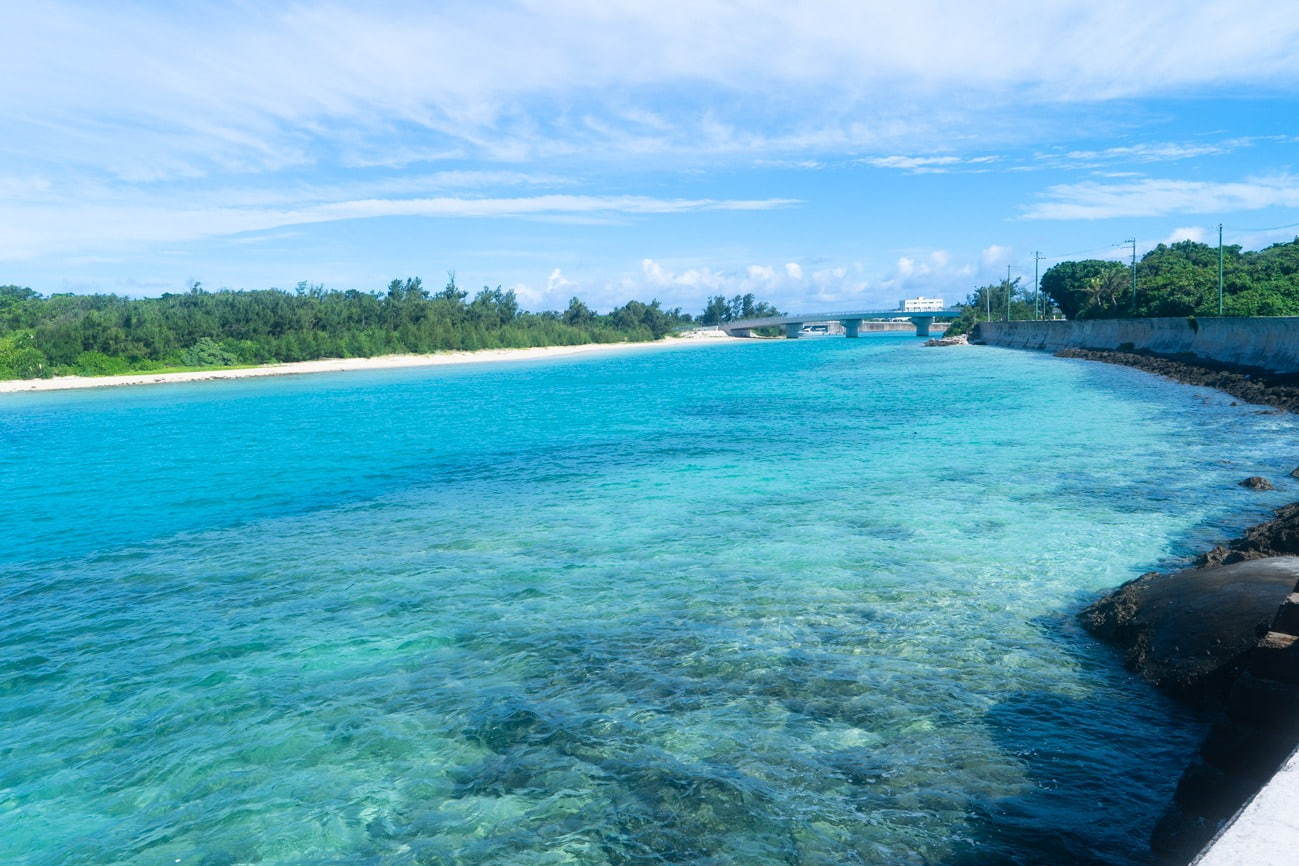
(1225, 636)
(1189, 632)
(1251, 385)
(1277, 537)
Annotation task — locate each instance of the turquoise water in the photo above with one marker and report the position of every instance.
(774, 602)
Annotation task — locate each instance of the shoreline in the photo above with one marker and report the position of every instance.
(341, 365)
(1279, 391)
(1220, 635)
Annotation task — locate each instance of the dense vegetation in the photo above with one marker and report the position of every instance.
(1180, 279)
(720, 309)
(107, 334)
(989, 302)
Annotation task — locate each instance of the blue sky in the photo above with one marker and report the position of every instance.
(829, 154)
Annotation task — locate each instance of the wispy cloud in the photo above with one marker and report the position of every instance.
(40, 229)
(258, 88)
(1142, 153)
(1092, 200)
(941, 164)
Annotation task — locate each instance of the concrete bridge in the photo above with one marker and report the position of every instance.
(851, 321)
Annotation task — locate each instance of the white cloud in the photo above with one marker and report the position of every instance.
(183, 91)
(933, 274)
(793, 286)
(68, 225)
(994, 256)
(557, 284)
(530, 298)
(1151, 197)
(915, 164)
(788, 286)
(1187, 233)
(1145, 152)
(934, 164)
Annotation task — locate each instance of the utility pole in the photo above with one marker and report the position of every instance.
(1133, 241)
(1219, 269)
(1008, 293)
(1038, 309)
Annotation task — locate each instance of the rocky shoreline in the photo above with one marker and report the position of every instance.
(1221, 635)
(1245, 383)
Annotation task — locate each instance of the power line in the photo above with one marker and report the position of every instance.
(1268, 229)
(1075, 253)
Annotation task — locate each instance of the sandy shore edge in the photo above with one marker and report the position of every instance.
(338, 365)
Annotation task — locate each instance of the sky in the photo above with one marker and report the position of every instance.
(823, 156)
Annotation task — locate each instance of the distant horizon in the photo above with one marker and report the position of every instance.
(829, 158)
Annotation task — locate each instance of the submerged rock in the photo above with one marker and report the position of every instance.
(1189, 632)
(1257, 482)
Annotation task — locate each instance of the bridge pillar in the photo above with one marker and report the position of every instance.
(922, 325)
(792, 329)
(851, 327)
(739, 332)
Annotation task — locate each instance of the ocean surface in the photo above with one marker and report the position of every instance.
(783, 602)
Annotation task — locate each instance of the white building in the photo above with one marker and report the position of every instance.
(921, 305)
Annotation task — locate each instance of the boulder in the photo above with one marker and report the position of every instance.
(1257, 482)
(1189, 632)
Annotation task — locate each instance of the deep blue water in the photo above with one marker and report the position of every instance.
(774, 602)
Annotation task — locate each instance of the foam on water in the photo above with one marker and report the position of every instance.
(783, 602)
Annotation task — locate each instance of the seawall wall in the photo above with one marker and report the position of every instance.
(1270, 344)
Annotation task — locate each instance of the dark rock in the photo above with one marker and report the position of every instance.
(1287, 616)
(1189, 632)
(1257, 482)
(1294, 473)
(1277, 537)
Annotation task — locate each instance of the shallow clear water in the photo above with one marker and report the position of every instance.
(772, 602)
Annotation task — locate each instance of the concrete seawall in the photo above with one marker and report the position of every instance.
(1270, 344)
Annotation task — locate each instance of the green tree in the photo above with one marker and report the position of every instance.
(101, 334)
(207, 352)
(577, 313)
(20, 359)
(1073, 286)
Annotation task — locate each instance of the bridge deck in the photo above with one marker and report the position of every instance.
(800, 318)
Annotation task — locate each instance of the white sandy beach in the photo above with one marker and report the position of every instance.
(336, 365)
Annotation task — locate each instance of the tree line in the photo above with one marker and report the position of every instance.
(722, 309)
(101, 334)
(1179, 279)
